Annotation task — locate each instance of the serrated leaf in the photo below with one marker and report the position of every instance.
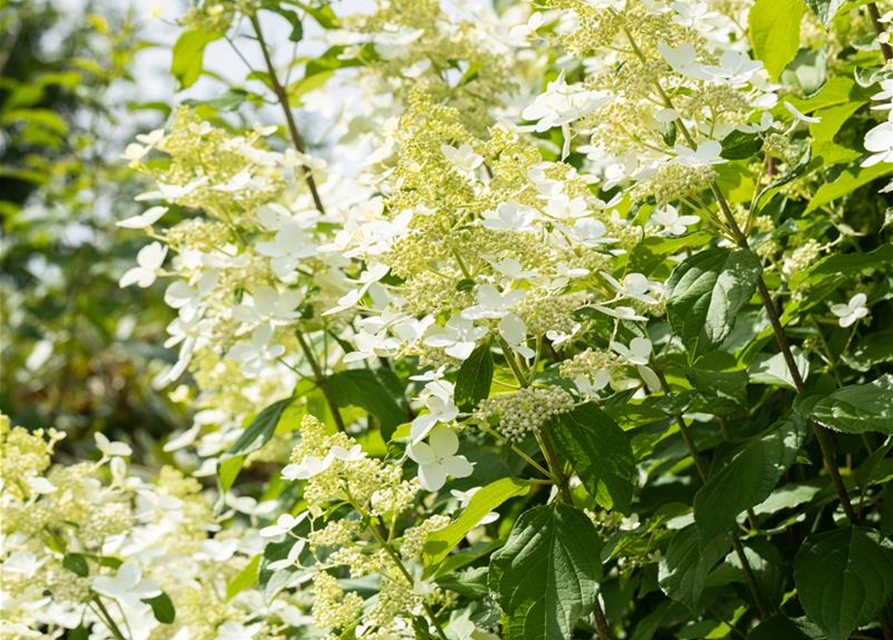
(857, 408)
(843, 578)
(378, 391)
(162, 608)
(439, 543)
(748, 477)
(474, 378)
(545, 577)
(705, 294)
(600, 452)
(188, 55)
(774, 30)
(689, 559)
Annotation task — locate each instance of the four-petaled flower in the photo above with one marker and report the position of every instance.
(149, 261)
(437, 458)
(457, 338)
(851, 312)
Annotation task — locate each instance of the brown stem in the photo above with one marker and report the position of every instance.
(282, 97)
(875, 16)
(601, 625)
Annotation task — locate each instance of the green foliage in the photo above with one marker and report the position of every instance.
(545, 577)
(747, 477)
(474, 378)
(440, 543)
(855, 408)
(705, 294)
(774, 30)
(600, 452)
(843, 578)
(188, 55)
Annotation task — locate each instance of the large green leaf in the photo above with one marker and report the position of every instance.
(439, 543)
(748, 477)
(253, 438)
(188, 55)
(683, 570)
(546, 575)
(774, 29)
(475, 377)
(843, 578)
(705, 294)
(378, 391)
(855, 408)
(600, 452)
(847, 182)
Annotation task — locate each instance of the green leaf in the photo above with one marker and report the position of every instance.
(832, 119)
(323, 14)
(253, 438)
(231, 100)
(474, 379)
(79, 633)
(471, 583)
(260, 430)
(546, 575)
(244, 579)
(773, 369)
(855, 408)
(847, 182)
(774, 30)
(825, 10)
(378, 391)
(600, 452)
(162, 608)
(842, 264)
(778, 627)
(652, 251)
(227, 471)
(775, 186)
(297, 29)
(843, 578)
(748, 477)
(439, 543)
(306, 85)
(683, 570)
(188, 54)
(705, 294)
(739, 145)
(77, 564)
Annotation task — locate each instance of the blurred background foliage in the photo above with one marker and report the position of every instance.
(78, 352)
